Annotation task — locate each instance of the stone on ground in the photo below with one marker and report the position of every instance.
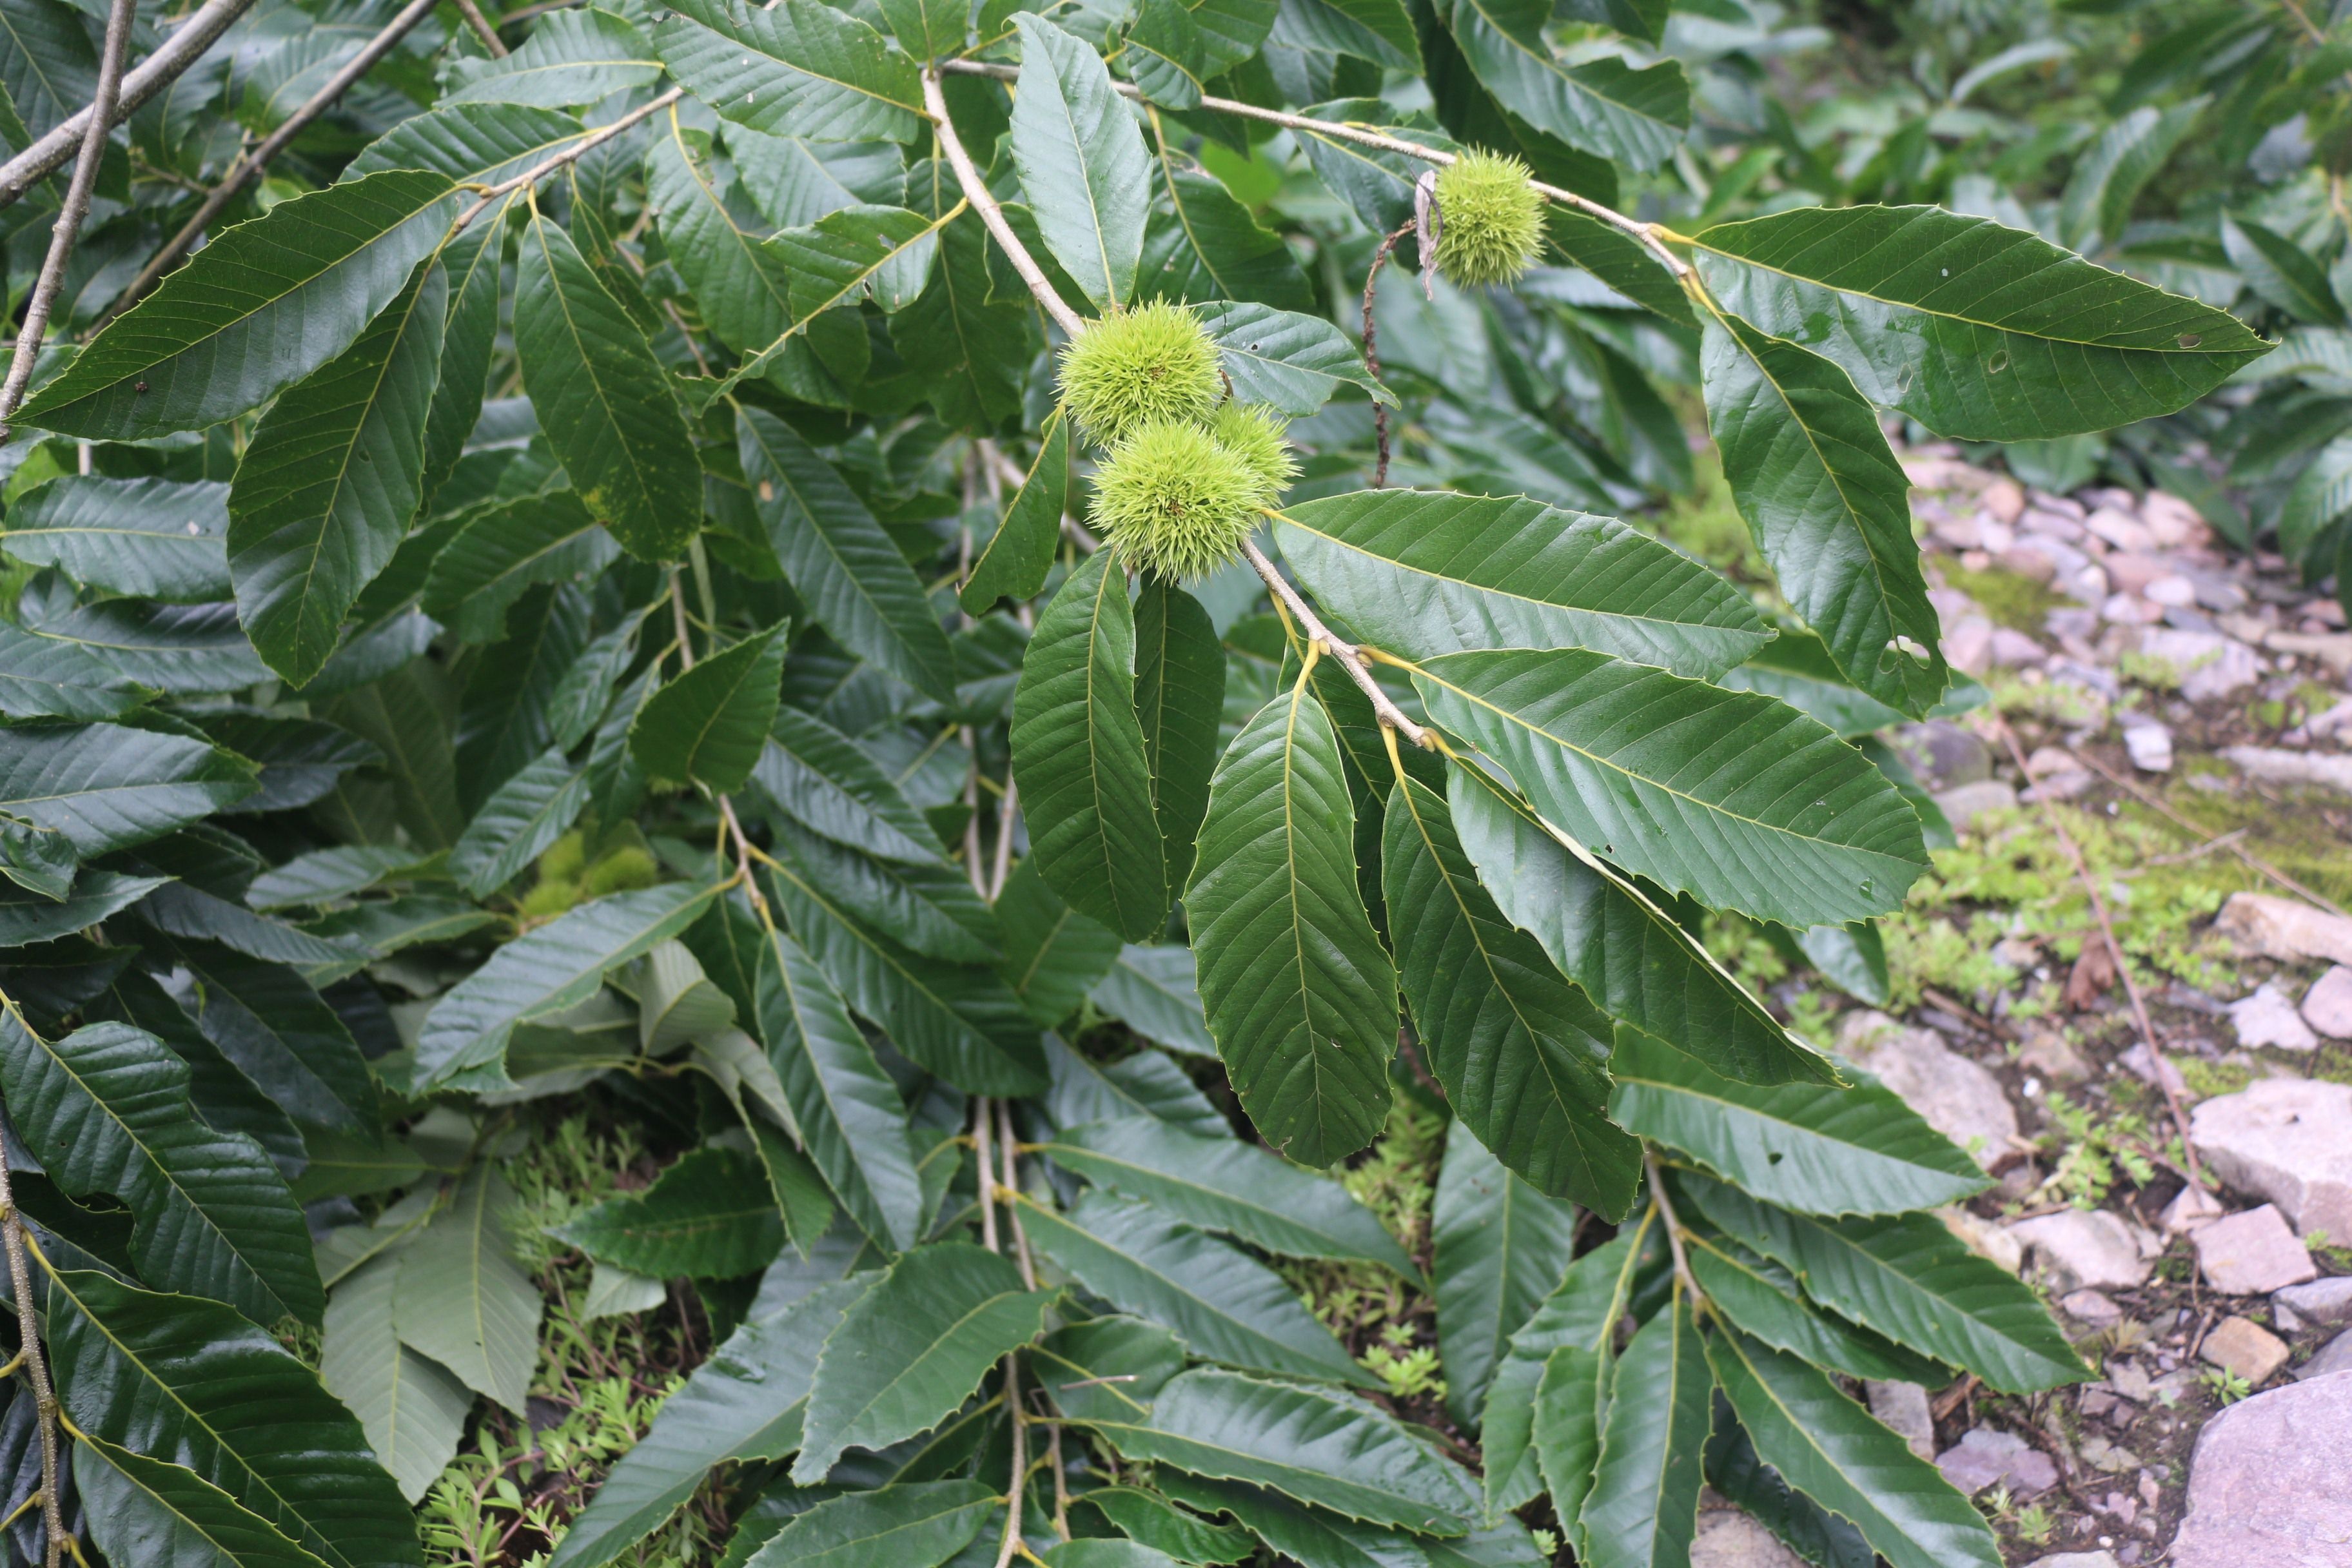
(2334, 1356)
(1985, 1457)
(2328, 1006)
(2284, 929)
(1957, 1098)
(2252, 1254)
(2288, 1140)
(2269, 1485)
(2077, 1560)
(2268, 1018)
(2320, 1302)
(2244, 1347)
(2078, 1249)
(2051, 1054)
(1902, 1408)
(1964, 803)
(1728, 1538)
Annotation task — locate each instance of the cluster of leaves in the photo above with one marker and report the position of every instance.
(382, 754)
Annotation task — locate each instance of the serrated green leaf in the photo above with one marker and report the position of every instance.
(913, 1349)
(1643, 1507)
(855, 582)
(1592, 1298)
(42, 678)
(1053, 955)
(926, 906)
(1808, 1146)
(516, 824)
(1979, 332)
(1150, 1519)
(1522, 1053)
(820, 778)
(746, 1401)
(800, 68)
(1201, 244)
(559, 966)
(1144, 1084)
(166, 1516)
(262, 306)
(182, 648)
(147, 538)
(1635, 116)
(1909, 1279)
(2280, 271)
(571, 58)
(708, 1216)
(1761, 1299)
(481, 143)
(1224, 1184)
(2110, 173)
(852, 1120)
(168, 1374)
(1628, 953)
(915, 1524)
(29, 913)
(106, 786)
(603, 399)
(506, 548)
(1082, 163)
(1300, 996)
(1021, 552)
(1153, 991)
(707, 725)
(462, 1300)
(962, 1022)
(1739, 800)
(282, 1034)
(413, 1410)
(1078, 756)
(1311, 1537)
(106, 1109)
(1226, 1306)
(1296, 362)
(1500, 1247)
(1180, 692)
(328, 485)
(1422, 573)
(1806, 1528)
(1837, 1454)
(1569, 1402)
(1329, 1450)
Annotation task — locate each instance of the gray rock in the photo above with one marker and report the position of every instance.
(2251, 1253)
(2268, 1018)
(1902, 1408)
(2320, 1302)
(2244, 1347)
(1728, 1538)
(2210, 664)
(1957, 1098)
(2093, 1309)
(2269, 1485)
(2288, 1140)
(2051, 1054)
(2276, 766)
(2283, 928)
(2077, 1560)
(2328, 1006)
(2149, 746)
(1964, 803)
(2079, 1249)
(1944, 754)
(2334, 1356)
(1985, 1457)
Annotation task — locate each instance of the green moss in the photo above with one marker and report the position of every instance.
(2011, 598)
(2205, 1079)
(2297, 831)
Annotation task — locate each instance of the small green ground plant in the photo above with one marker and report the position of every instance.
(734, 667)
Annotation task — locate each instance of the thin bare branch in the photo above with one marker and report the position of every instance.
(62, 236)
(1647, 233)
(570, 155)
(152, 75)
(1672, 1221)
(249, 165)
(481, 26)
(1350, 657)
(984, 201)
